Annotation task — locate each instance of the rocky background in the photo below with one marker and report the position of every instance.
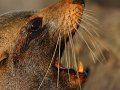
(102, 76)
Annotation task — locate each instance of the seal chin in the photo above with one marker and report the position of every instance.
(72, 78)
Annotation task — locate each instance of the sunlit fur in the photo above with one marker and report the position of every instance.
(88, 33)
(87, 36)
(65, 20)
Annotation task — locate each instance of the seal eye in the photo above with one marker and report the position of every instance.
(36, 24)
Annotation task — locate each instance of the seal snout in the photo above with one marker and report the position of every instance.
(79, 1)
(75, 1)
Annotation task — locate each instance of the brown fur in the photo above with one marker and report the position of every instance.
(28, 75)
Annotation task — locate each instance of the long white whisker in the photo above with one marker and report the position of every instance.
(92, 53)
(86, 30)
(94, 28)
(90, 18)
(89, 10)
(50, 64)
(89, 13)
(96, 45)
(72, 47)
(59, 63)
(93, 37)
(87, 46)
(67, 60)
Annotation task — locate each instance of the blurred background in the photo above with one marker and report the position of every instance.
(8, 5)
(104, 77)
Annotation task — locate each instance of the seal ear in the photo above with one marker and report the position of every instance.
(3, 55)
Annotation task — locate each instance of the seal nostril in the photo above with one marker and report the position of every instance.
(79, 1)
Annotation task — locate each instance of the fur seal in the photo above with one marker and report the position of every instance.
(27, 44)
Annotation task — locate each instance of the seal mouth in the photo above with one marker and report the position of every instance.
(74, 78)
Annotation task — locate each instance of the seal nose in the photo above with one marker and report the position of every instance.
(79, 1)
(74, 1)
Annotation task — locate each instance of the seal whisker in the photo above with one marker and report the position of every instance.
(86, 30)
(95, 45)
(89, 13)
(59, 60)
(94, 41)
(73, 53)
(90, 18)
(90, 49)
(67, 59)
(95, 29)
(69, 62)
(92, 37)
(89, 10)
(92, 32)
